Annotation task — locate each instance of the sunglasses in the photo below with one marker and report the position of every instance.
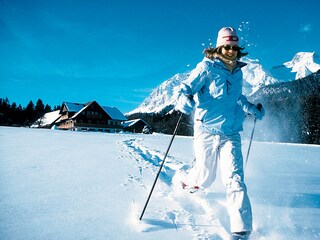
(229, 47)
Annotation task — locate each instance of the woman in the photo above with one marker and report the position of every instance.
(214, 89)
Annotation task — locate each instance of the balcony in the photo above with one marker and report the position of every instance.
(95, 125)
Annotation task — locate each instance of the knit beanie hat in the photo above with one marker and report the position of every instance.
(227, 36)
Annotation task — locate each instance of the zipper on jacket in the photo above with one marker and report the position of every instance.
(228, 84)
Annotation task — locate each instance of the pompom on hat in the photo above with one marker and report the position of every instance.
(227, 36)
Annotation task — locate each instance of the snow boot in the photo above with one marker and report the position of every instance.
(191, 189)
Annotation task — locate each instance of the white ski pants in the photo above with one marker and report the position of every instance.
(209, 149)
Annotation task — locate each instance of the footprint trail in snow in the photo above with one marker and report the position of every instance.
(180, 210)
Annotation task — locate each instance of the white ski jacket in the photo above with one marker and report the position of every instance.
(217, 92)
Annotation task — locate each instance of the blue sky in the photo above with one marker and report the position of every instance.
(117, 51)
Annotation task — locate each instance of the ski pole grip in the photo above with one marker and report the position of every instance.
(259, 106)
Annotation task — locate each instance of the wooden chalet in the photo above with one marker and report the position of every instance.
(90, 117)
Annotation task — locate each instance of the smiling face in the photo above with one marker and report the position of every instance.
(230, 52)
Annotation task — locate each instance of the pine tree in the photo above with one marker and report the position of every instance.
(29, 114)
(39, 108)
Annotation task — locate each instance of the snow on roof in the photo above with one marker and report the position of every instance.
(114, 113)
(47, 119)
(130, 123)
(74, 107)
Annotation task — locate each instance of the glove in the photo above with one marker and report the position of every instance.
(257, 111)
(185, 103)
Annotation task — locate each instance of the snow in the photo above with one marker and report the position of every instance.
(47, 119)
(129, 123)
(162, 96)
(85, 185)
(301, 65)
(255, 76)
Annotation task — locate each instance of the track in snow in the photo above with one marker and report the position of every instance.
(197, 212)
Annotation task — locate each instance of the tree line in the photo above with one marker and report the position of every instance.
(12, 114)
(164, 122)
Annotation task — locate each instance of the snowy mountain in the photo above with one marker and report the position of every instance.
(302, 65)
(162, 97)
(255, 76)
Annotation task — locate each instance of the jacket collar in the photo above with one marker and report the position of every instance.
(219, 63)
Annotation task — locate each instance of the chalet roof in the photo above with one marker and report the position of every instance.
(80, 111)
(47, 119)
(132, 122)
(113, 112)
(74, 107)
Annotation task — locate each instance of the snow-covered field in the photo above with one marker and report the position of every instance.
(79, 185)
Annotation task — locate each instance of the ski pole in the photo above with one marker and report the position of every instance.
(164, 158)
(259, 106)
